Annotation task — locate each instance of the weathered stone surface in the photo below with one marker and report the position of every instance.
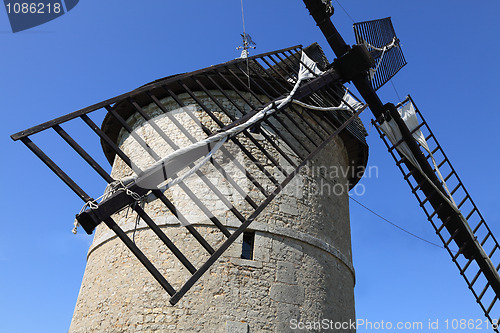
(285, 272)
(286, 312)
(237, 327)
(291, 294)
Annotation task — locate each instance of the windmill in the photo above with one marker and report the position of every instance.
(125, 191)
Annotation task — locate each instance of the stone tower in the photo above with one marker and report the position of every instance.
(292, 265)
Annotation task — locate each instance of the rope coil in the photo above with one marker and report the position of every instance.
(387, 47)
(112, 188)
(383, 49)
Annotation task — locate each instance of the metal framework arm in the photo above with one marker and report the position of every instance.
(428, 183)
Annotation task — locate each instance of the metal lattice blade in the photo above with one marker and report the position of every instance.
(465, 234)
(238, 182)
(379, 33)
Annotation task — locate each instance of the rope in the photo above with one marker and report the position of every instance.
(133, 194)
(394, 224)
(395, 90)
(112, 188)
(268, 110)
(384, 49)
(387, 47)
(226, 134)
(93, 205)
(221, 137)
(243, 16)
(329, 7)
(345, 11)
(245, 44)
(318, 108)
(374, 71)
(75, 227)
(138, 218)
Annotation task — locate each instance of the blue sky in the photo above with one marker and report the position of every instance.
(104, 48)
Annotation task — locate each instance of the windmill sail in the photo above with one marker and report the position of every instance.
(380, 39)
(419, 156)
(219, 101)
(448, 206)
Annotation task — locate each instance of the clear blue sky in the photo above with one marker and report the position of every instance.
(104, 48)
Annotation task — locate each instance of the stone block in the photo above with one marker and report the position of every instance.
(292, 294)
(287, 312)
(237, 327)
(286, 250)
(245, 262)
(285, 272)
(289, 206)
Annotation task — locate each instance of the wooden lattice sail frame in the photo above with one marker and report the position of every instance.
(248, 85)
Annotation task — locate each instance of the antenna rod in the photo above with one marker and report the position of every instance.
(243, 17)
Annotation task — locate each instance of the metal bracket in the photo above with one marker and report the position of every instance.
(356, 62)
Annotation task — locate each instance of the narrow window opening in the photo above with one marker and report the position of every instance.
(247, 246)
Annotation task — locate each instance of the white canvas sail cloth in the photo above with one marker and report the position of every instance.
(391, 130)
(349, 101)
(308, 68)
